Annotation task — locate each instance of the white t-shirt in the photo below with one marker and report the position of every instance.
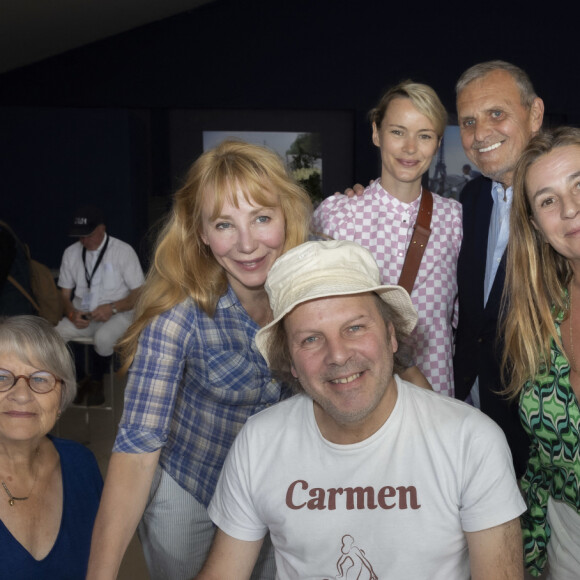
(393, 506)
(118, 273)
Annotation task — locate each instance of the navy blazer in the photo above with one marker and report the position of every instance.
(478, 347)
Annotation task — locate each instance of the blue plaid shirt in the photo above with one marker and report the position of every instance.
(193, 384)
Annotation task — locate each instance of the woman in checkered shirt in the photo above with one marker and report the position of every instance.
(407, 127)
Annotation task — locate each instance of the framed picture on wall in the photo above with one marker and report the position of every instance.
(301, 152)
(317, 146)
(450, 169)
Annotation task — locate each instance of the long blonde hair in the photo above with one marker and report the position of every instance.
(536, 276)
(183, 266)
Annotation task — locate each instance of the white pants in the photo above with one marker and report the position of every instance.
(105, 334)
(176, 534)
(564, 544)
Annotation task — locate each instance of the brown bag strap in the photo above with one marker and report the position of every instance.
(418, 243)
(21, 289)
(10, 278)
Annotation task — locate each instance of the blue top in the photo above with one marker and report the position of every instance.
(194, 382)
(69, 557)
(499, 231)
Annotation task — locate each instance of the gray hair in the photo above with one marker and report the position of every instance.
(35, 341)
(521, 78)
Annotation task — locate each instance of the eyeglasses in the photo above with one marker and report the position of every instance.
(40, 382)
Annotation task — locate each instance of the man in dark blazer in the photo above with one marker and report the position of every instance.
(498, 112)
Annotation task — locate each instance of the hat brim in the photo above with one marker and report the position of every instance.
(395, 296)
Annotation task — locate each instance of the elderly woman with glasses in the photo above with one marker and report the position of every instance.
(49, 488)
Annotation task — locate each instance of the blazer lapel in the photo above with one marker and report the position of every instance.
(483, 212)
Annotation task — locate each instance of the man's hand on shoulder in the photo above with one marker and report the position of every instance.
(355, 190)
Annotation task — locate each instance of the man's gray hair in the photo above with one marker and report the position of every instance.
(521, 78)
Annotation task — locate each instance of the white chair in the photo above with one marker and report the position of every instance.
(108, 405)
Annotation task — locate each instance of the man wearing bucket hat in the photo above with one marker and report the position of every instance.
(362, 472)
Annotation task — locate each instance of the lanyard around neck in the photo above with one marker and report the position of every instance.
(88, 278)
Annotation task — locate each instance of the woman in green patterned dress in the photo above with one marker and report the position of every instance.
(542, 345)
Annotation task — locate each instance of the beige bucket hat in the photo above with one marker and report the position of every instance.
(327, 268)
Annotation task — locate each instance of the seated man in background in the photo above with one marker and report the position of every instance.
(105, 275)
(363, 474)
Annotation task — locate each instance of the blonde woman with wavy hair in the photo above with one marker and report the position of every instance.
(195, 375)
(542, 335)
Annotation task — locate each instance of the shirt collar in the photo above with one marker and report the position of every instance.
(391, 200)
(101, 246)
(228, 299)
(500, 193)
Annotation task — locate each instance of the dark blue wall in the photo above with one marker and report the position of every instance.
(304, 55)
(54, 160)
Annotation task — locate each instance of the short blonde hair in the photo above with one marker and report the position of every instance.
(423, 97)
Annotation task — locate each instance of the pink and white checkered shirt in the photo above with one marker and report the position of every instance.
(384, 225)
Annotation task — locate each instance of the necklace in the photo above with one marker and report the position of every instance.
(571, 333)
(12, 498)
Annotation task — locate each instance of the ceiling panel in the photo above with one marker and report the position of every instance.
(32, 30)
